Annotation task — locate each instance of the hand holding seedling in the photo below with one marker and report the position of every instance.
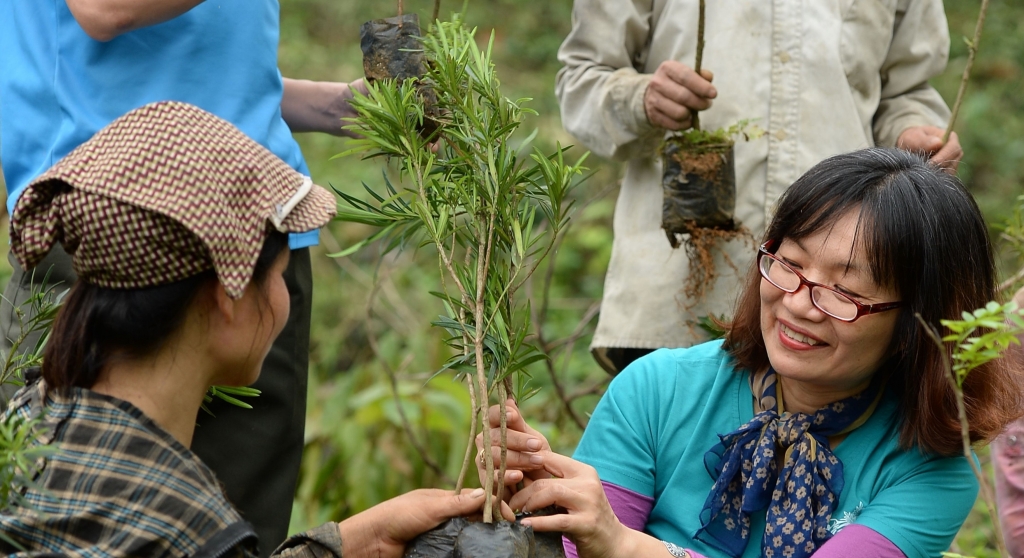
(587, 516)
(524, 447)
(675, 92)
(928, 140)
(383, 530)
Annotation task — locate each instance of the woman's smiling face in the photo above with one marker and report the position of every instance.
(812, 351)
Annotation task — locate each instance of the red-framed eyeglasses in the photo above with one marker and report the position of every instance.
(830, 301)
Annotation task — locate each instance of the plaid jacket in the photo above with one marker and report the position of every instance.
(119, 485)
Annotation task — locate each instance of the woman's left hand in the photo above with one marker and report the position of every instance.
(523, 442)
(589, 519)
(383, 530)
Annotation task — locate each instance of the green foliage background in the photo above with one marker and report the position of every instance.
(357, 453)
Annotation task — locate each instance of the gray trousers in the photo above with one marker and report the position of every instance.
(254, 452)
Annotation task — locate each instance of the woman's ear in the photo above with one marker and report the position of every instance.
(223, 308)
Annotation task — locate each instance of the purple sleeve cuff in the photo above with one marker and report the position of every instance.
(632, 509)
(855, 541)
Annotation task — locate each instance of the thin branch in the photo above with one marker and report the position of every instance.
(467, 458)
(371, 337)
(461, 314)
(539, 316)
(509, 291)
(470, 382)
(549, 277)
(581, 327)
(437, 11)
(965, 436)
(446, 259)
(1005, 285)
(700, 57)
(397, 320)
(503, 409)
(972, 51)
(591, 390)
(559, 235)
(550, 365)
(481, 377)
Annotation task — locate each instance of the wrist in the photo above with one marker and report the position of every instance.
(340, 109)
(358, 537)
(636, 543)
(629, 543)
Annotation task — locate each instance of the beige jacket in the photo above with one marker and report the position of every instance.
(822, 77)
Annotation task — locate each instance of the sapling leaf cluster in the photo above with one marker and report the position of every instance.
(1012, 235)
(982, 336)
(34, 317)
(20, 448)
(979, 337)
(489, 205)
(696, 138)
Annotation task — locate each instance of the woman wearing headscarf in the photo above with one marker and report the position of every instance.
(177, 226)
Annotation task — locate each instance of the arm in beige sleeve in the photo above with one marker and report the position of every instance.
(105, 19)
(599, 89)
(918, 52)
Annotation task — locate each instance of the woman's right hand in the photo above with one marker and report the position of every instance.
(587, 516)
(524, 443)
(675, 93)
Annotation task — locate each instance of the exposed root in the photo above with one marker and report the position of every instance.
(699, 244)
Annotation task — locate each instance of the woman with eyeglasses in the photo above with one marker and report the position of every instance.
(823, 423)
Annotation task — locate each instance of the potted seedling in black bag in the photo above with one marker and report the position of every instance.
(699, 186)
(490, 211)
(393, 50)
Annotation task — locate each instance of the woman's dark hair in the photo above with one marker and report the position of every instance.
(96, 323)
(925, 239)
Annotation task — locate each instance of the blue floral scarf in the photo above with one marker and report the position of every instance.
(801, 496)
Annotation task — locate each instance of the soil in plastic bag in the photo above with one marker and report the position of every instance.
(438, 542)
(502, 539)
(699, 188)
(548, 545)
(392, 49)
(459, 538)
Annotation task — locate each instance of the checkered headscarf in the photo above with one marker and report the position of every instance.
(165, 192)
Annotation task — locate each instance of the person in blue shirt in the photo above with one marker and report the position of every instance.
(824, 423)
(70, 68)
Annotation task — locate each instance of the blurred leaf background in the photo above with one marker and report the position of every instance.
(357, 453)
